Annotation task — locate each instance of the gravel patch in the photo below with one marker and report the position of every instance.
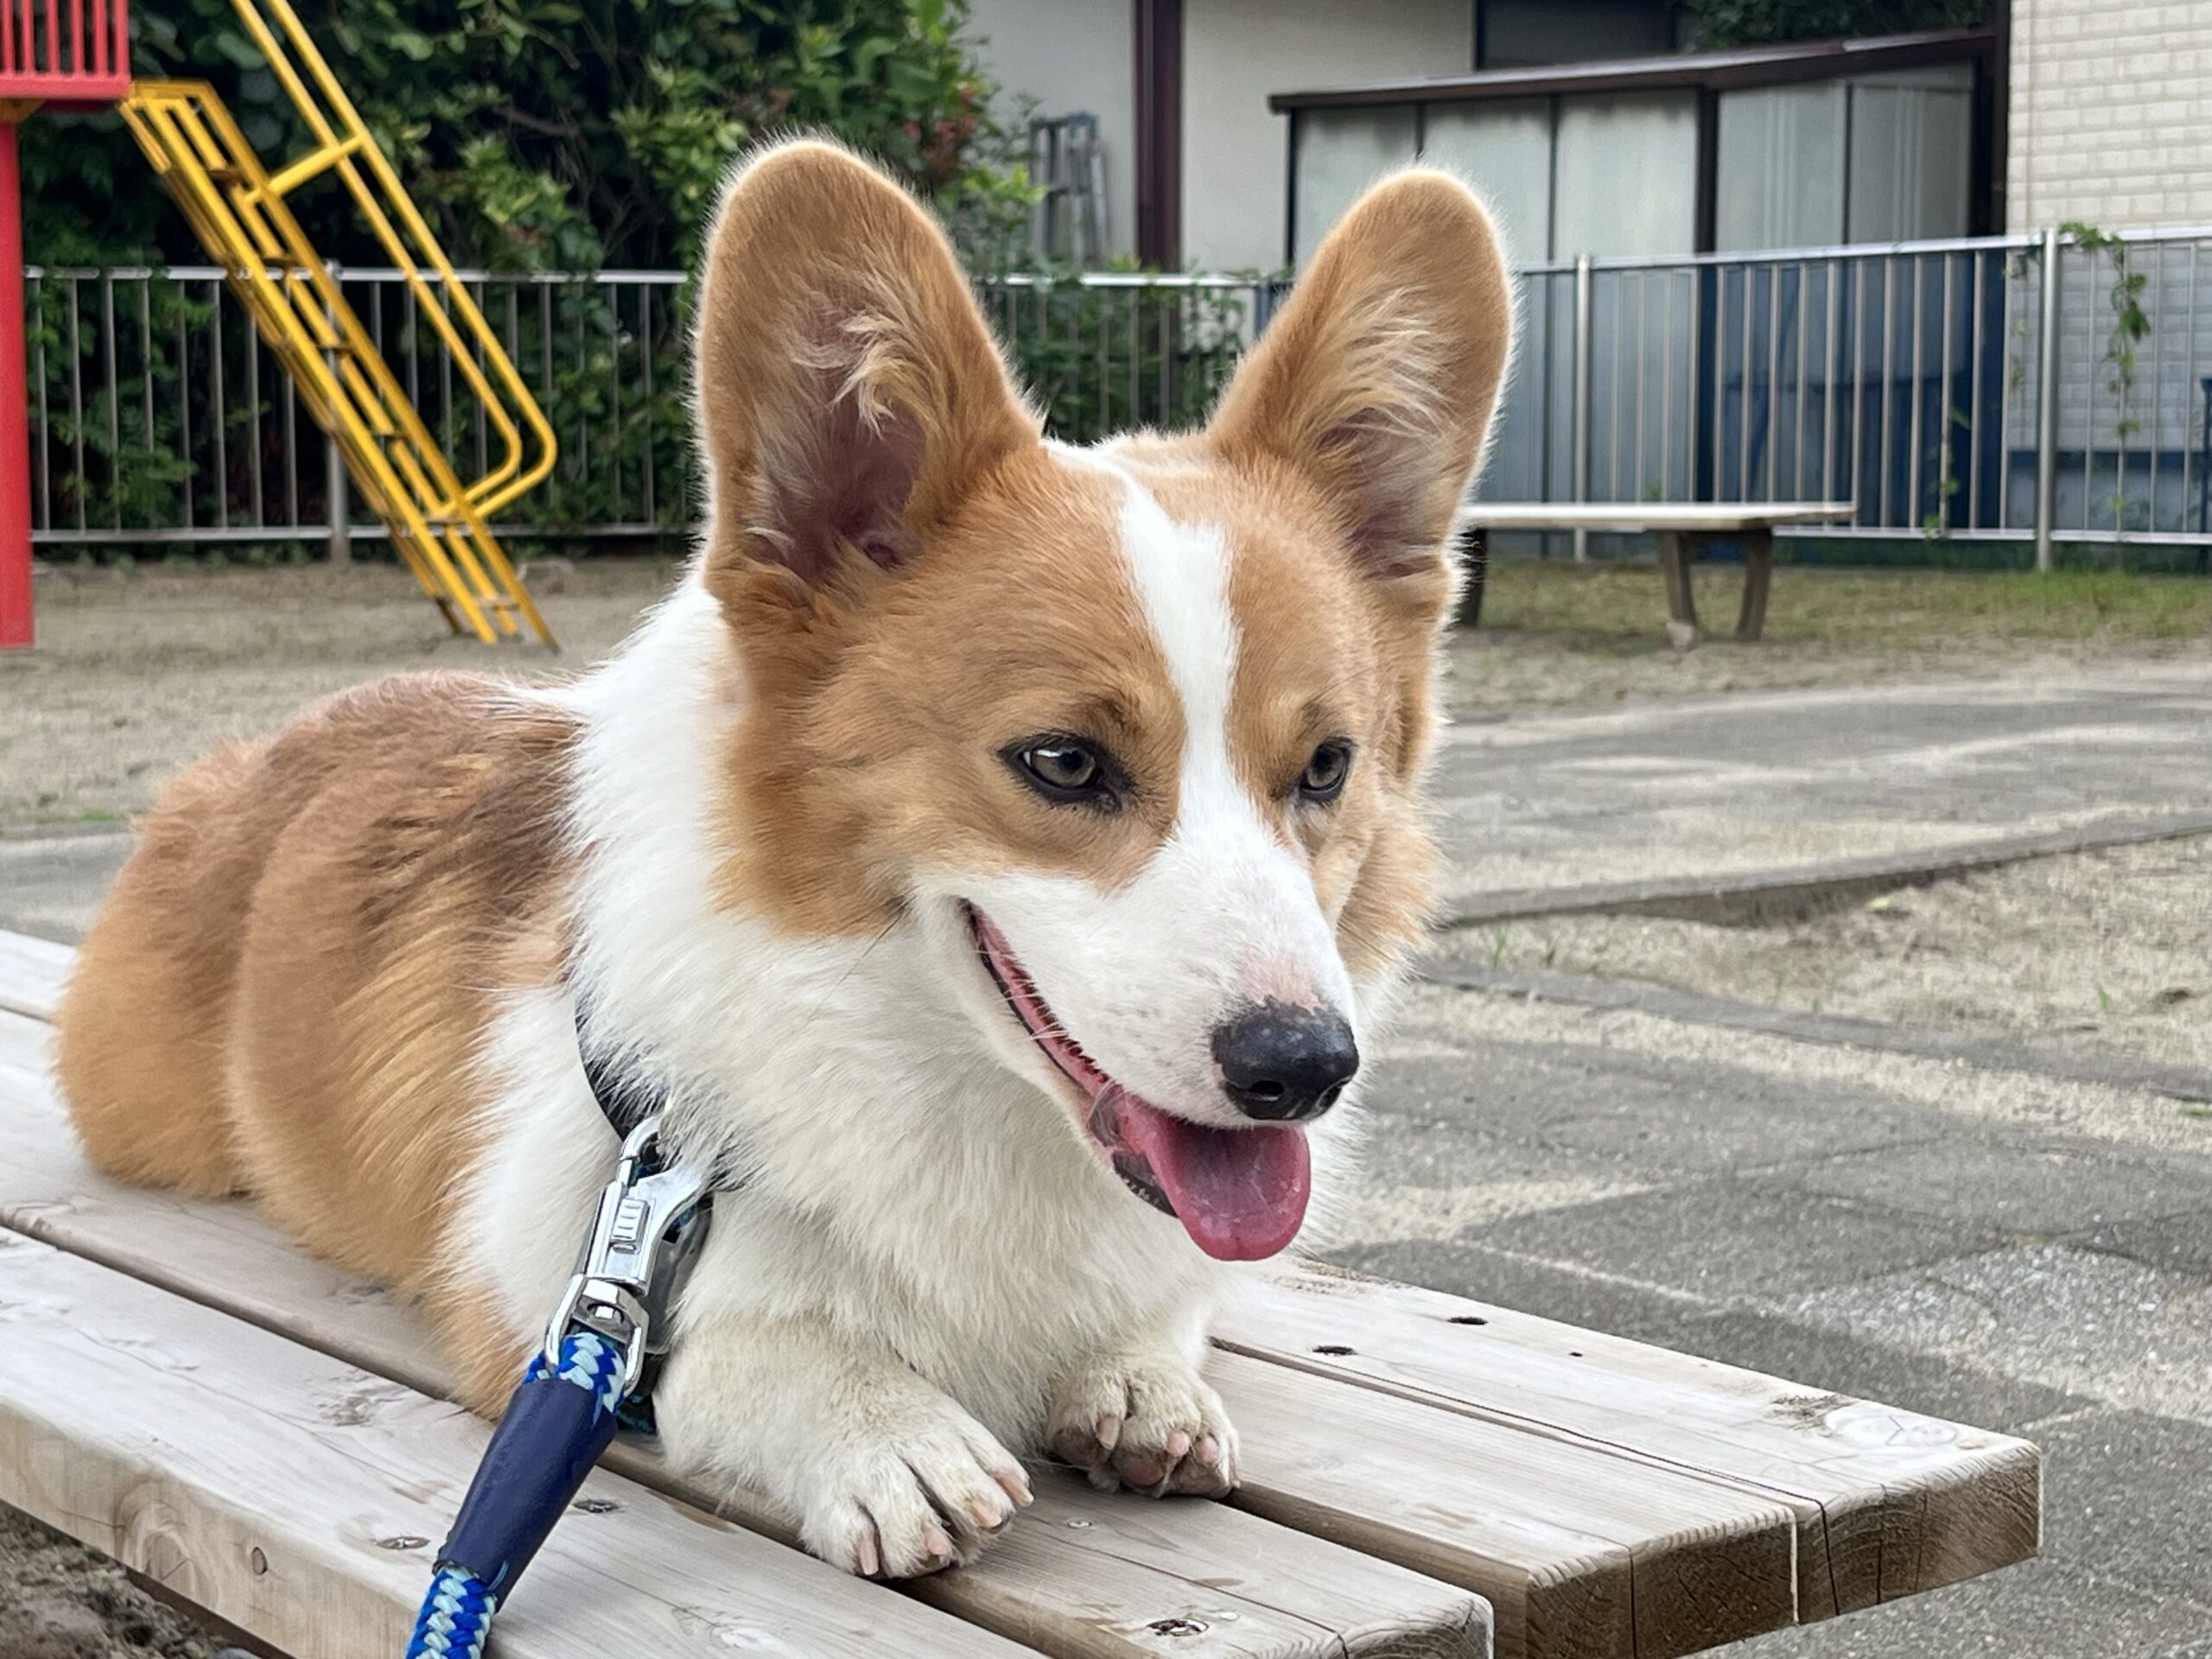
(2109, 950)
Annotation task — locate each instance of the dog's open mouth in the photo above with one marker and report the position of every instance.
(1239, 1193)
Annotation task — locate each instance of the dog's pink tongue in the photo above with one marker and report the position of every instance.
(1239, 1193)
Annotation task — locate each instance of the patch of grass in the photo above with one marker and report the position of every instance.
(1616, 608)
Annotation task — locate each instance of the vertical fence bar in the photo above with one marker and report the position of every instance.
(2047, 404)
(1974, 397)
(1613, 397)
(41, 461)
(337, 507)
(1744, 396)
(75, 356)
(1642, 359)
(1912, 513)
(184, 403)
(1798, 427)
(219, 407)
(2188, 386)
(1581, 409)
(1831, 356)
(1667, 384)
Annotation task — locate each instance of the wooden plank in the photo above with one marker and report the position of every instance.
(1888, 1503)
(31, 974)
(1081, 1574)
(1682, 598)
(1579, 1552)
(1758, 578)
(297, 1497)
(1628, 517)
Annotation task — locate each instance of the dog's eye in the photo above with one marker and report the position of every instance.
(1063, 769)
(1323, 780)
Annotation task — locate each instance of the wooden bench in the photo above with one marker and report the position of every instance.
(268, 1438)
(1683, 528)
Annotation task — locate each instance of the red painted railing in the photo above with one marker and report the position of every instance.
(65, 51)
(71, 53)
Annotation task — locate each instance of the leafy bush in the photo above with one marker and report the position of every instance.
(1767, 22)
(552, 134)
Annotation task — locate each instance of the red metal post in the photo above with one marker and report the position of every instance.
(15, 424)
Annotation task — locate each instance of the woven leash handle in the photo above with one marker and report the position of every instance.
(562, 1418)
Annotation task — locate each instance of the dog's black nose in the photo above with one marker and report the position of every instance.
(1282, 1063)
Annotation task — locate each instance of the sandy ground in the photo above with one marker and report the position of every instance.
(58, 1601)
(136, 674)
(2110, 950)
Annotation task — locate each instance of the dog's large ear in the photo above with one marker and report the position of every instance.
(849, 392)
(1378, 378)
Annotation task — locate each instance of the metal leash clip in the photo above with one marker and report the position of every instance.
(642, 1247)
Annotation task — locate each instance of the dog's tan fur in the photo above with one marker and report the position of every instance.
(286, 991)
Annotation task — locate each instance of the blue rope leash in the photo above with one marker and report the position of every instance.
(562, 1418)
(456, 1618)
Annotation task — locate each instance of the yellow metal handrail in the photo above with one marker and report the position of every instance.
(345, 144)
(238, 208)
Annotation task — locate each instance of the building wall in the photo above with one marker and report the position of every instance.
(2111, 117)
(1235, 154)
(1071, 56)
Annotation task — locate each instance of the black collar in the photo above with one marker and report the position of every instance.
(626, 1094)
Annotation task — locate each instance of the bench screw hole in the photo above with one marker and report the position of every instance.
(1467, 1319)
(1078, 1525)
(259, 1561)
(1574, 1353)
(1178, 1627)
(1334, 1350)
(595, 1506)
(403, 1540)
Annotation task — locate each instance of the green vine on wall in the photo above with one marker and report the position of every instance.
(2131, 323)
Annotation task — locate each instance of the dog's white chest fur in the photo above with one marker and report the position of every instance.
(901, 1182)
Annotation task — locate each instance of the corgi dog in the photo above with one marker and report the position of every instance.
(1003, 852)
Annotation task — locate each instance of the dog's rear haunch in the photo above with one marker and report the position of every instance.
(1005, 851)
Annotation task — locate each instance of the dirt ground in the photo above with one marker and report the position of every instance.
(137, 673)
(2108, 949)
(58, 1601)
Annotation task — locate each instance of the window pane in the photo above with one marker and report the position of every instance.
(1911, 145)
(1505, 151)
(1340, 153)
(1779, 168)
(1627, 177)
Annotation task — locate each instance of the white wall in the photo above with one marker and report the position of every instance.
(1070, 55)
(1235, 154)
(2111, 114)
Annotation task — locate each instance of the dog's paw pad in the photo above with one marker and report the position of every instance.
(1151, 1425)
(915, 1504)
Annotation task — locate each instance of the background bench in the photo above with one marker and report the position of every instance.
(1683, 528)
(266, 1436)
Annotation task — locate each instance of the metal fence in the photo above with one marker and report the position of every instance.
(2042, 389)
(2026, 389)
(156, 416)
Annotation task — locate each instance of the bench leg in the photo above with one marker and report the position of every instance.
(1474, 557)
(1681, 604)
(1758, 574)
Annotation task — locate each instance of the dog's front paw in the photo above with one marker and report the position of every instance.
(1151, 1424)
(925, 1495)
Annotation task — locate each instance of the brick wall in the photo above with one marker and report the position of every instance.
(2111, 117)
